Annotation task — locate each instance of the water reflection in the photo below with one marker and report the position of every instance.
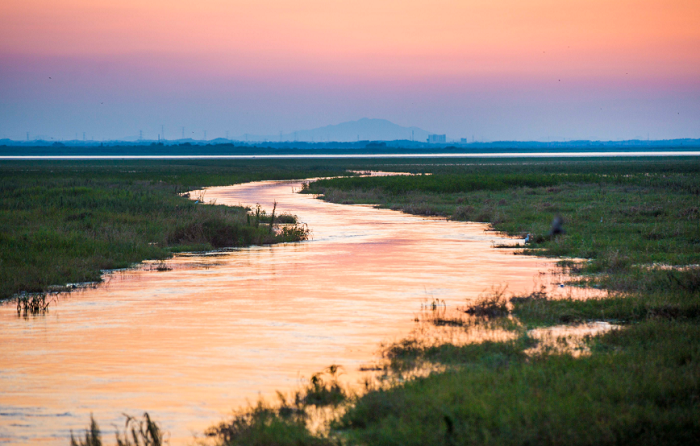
(190, 343)
(569, 339)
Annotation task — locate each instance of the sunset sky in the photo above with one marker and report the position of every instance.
(495, 70)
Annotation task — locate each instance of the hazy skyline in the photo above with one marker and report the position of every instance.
(502, 70)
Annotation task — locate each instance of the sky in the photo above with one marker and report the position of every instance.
(489, 70)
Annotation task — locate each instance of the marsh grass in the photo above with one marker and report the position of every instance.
(490, 304)
(291, 420)
(323, 389)
(438, 330)
(281, 219)
(265, 425)
(141, 432)
(161, 265)
(32, 304)
(137, 432)
(92, 436)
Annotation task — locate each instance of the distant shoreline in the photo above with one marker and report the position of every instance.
(674, 153)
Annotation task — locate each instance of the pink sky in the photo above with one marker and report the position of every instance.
(501, 69)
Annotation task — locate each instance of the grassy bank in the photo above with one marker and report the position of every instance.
(65, 221)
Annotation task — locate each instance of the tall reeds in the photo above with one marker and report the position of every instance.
(137, 432)
(32, 304)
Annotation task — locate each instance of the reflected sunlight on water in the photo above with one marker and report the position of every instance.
(190, 343)
(569, 339)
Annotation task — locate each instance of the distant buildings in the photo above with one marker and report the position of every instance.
(463, 140)
(437, 139)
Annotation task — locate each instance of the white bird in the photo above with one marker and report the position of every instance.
(527, 238)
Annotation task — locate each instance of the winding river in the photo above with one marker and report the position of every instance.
(219, 330)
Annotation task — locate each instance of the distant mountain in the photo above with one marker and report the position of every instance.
(364, 129)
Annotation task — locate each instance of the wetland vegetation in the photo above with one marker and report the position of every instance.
(636, 222)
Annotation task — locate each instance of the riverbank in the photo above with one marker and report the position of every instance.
(64, 222)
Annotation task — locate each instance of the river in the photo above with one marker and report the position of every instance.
(221, 329)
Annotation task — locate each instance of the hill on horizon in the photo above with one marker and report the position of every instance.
(365, 129)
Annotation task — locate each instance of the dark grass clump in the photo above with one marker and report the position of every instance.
(655, 293)
(92, 436)
(32, 304)
(287, 219)
(435, 313)
(411, 353)
(293, 233)
(493, 304)
(616, 308)
(323, 389)
(288, 422)
(221, 232)
(143, 432)
(137, 432)
(279, 219)
(264, 425)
